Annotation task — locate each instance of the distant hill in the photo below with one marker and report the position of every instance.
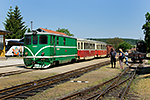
(131, 41)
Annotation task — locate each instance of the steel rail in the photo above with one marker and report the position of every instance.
(110, 87)
(116, 85)
(49, 78)
(113, 83)
(39, 83)
(14, 72)
(87, 90)
(90, 89)
(125, 91)
(11, 65)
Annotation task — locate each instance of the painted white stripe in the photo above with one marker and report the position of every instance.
(66, 47)
(35, 56)
(29, 50)
(65, 55)
(80, 81)
(90, 49)
(42, 49)
(50, 56)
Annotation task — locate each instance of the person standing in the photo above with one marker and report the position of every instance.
(126, 57)
(113, 57)
(121, 57)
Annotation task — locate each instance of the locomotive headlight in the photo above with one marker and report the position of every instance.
(42, 54)
(26, 53)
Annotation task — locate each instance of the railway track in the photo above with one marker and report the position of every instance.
(11, 65)
(101, 90)
(25, 90)
(14, 72)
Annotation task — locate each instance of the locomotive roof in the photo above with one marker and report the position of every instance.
(50, 31)
(47, 33)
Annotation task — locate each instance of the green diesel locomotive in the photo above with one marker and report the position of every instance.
(43, 49)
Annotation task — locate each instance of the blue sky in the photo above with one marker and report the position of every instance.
(83, 18)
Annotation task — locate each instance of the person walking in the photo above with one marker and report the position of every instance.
(113, 57)
(126, 57)
(121, 57)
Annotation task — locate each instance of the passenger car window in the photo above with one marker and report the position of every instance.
(43, 39)
(27, 39)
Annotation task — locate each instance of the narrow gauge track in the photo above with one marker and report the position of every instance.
(98, 91)
(14, 72)
(11, 65)
(25, 90)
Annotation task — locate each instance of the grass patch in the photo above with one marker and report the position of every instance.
(94, 78)
(22, 78)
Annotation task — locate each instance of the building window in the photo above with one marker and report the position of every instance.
(43, 39)
(27, 39)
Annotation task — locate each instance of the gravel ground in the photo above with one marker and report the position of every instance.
(140, 86)
(13, 80)
(94, 78)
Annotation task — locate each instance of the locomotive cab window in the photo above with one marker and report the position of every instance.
(35, 39)
(43, 39)
(27, 40)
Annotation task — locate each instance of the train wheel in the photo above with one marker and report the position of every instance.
(56, 63)
(73, 60)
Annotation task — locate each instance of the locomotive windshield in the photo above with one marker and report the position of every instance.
(28, 40)
(35, 39)
(43, 39)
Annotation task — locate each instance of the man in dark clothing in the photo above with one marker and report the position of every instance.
(113, 57)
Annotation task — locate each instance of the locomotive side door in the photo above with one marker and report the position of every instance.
(54, 45)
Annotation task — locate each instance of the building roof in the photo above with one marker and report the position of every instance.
(50, 31)
(2, 32)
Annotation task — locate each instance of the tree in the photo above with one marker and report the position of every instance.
(124, 46)
(28, 30)
(146, 28)
(15, 24)
(115, 41)
(66, 31)
(9, 22)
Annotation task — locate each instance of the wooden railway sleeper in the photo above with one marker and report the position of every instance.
(98, 95)
(90, 89)
(125, 91)
(113, 83)
(27, 84)
(107, 89)
(34, 86)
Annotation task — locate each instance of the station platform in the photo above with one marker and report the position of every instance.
(11, 61)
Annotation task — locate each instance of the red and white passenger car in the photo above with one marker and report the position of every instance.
(88, 49)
